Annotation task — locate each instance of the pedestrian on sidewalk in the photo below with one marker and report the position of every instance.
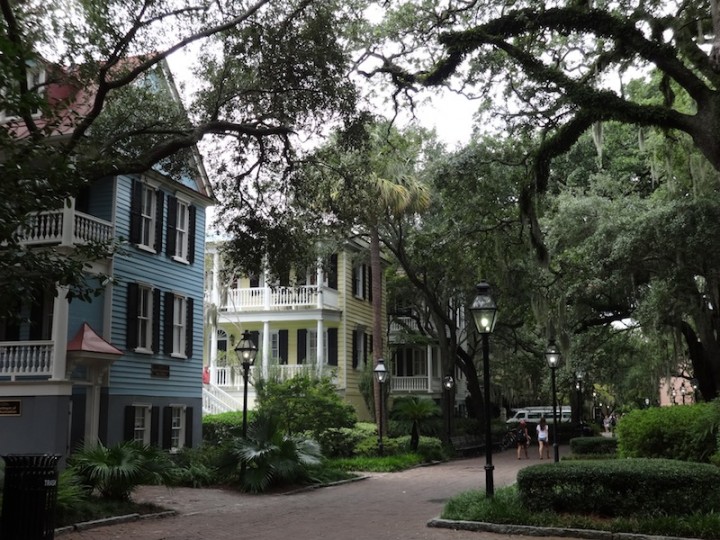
(523, 439)
(542, 435)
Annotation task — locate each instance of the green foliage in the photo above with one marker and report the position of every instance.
(593, 445)
(71, 493)
(117, 470)
(392, 463)
(506, 507)
(340, 442)
(197, 467)
(218, 428)
(430, 448)
(685, 433)
(304, 403)
(270, 457)
(621, 487)
(414, 412)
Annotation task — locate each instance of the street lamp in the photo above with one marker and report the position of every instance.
(552, 356)
(448, 385)
(246, 352)
(694, 383)
(579, 376)
(381, 375)
(484, 311)
(683, 391)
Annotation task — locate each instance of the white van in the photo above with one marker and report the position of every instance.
(533, 414)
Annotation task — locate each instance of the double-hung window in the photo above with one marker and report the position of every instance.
(181, 231)
(144, 318)
(179, 325)
(178, 316)
(147, 217)
(141, 424)
(180, 244)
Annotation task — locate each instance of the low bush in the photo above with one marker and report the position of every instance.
(430, 448)
(220, 428)
(686, 433)
(394, 463)
(340, 442)
(621, 487)
(593, 445)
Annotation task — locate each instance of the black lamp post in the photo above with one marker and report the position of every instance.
(552, 356)
(448, 385)
(381, 376)
(579, 376)
(683, 391)
(246, 352)
(694, 383)
(484, 311)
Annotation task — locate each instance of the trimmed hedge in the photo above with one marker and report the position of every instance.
(621, 487)
(218, 428)
(593, 445)
(686, 433)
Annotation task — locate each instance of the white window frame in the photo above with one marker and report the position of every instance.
(35, 78)
(177, 427)
(182, 230)
(311, 346)
(358, 278)
(275, 347)
(145, 319)
(179, 325)
(148, 217)
(142, 422)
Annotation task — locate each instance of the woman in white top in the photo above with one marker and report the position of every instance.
(543, 437)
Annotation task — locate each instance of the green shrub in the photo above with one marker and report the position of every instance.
(686, 433)
(340, 442)
(219, 428)
(394, 463)
(197, 467)
(622, 487)
(430, 448)
(593, 445)
(304, 403)
(117, 470)
(71, 493)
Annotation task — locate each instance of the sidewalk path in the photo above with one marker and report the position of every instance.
(385, 506)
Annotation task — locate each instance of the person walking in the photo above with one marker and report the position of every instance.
(543, 437)
(523, 439)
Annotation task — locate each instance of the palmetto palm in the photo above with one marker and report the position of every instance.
(117, 470)
(271, 457)
(415, 411)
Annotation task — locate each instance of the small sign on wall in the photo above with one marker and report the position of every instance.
(160, 371)
(10, 407)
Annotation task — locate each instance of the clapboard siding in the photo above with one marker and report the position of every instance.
(130, 375)
(101, 198)
(91, 312)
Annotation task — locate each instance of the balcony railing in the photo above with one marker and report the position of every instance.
(279, 298)
(66, 227)
(409, 384)
(25, 359)
(231, 376)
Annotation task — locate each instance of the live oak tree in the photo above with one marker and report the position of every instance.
(268, 71)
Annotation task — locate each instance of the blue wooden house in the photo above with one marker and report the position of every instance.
(128, 364)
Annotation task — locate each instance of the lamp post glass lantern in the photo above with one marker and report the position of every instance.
(484, 311)
(381, 375)
(552, 356)
(246, 352)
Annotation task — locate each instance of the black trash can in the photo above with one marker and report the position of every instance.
(29, 497)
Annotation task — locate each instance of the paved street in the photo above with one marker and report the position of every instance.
(383, 507)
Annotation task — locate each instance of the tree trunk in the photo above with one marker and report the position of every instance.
(376, 273)
(715, 50)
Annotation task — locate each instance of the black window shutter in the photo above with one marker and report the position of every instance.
(168, 313)
(355, 349)
(166, 427)
(131, 335)
(160, 203)
(170, 237)
(365, 347)
(254, 281)
(255, 337)
(188, 427)
(369, 282)
(333, 272)
(364, 281)
(136, 212)
(156, 321)
(370, 343)
(355, 282)
(192, 211)
(332, 346)
(283, 346)
(129, 423)
(155, 426)
(302, 345)
(189, 314)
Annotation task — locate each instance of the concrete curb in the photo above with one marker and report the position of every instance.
(318, 486)
(529, 530)
(85, 525)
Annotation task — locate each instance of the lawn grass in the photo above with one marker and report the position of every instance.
(505, 508)
(392, 463)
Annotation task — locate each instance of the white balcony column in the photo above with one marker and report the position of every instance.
(429, 359)
(215, 294)
(320, 347)
(68, 223)
(267, 291)
(60, 335)
(320, 279)
(266, 349)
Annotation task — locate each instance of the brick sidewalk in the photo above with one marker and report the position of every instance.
(384, 506)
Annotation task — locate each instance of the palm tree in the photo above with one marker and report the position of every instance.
(415, 411)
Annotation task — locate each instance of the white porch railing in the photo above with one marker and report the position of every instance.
(409, 384)
(278, 298)
(66, 227)
(26, 359)
(231, 376)
(215, 400)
